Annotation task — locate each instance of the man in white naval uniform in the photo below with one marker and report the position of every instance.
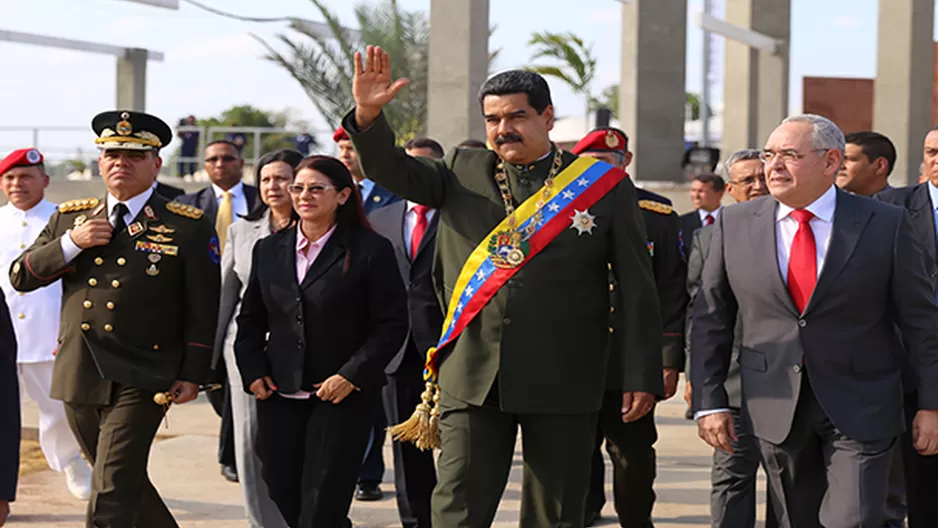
(35, 315)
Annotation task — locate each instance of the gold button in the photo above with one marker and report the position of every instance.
(121, 261)
(110, 305)
(612, 287)
(85, 327)
(87, 304)
(156, 347)
(610, 266)
(22, 246)
(108, 328)
(22, 316)
(21, 294)
(612, 309)
(98, 261)
(92, 282)
(24, 223)
(611, 329)
(116, 283)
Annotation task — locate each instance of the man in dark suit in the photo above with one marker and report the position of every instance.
(223, 202)
(374, 197)
(411, 228)
(820, 280)
(868, 161)
(140, 285)
(167, 191)
(631, 445)
(536, 355)
(733, 474)
(921, 472)
(706, 194)
(9, 414)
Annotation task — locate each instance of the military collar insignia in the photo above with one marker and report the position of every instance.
(148, 212)
(135, 229)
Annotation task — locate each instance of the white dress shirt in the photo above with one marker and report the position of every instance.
(715, 214)
(35, 314)
(785, 228)
(410, 220)
(70, 250)
(239, 203)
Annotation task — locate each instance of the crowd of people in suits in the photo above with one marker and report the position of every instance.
(803, 316)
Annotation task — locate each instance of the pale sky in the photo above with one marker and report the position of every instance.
(212, 63)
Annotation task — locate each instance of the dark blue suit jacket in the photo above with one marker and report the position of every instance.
(379, 198)
(9, 407)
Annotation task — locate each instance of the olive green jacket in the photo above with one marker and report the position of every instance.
(544, 336)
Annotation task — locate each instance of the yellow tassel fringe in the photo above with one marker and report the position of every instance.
(423, 427)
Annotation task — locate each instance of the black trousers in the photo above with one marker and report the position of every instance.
(921, 475)
(819, 477)
(221, 402)
(311, 452)
(414, 470)
(116, 439)
(631, 449)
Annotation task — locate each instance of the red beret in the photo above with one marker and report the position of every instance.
(20, 158)
(601, 140)
(339, 135)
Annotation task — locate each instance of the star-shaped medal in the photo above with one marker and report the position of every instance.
(583, 222)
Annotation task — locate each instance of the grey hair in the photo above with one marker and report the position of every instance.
(827, 135)
(736, 157)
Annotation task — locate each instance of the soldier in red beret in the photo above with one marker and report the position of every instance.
(35, 314)
(631, 445)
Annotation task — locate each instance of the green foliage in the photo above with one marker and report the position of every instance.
(249, 116)
(575, 63)
(608, 98)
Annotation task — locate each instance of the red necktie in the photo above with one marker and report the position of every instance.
(420, 228)
(802, 263)
(708, 220)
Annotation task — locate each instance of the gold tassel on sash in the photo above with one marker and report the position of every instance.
(423, 427)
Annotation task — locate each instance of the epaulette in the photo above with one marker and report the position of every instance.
(655, 206)
(182, 209)
(77, 205)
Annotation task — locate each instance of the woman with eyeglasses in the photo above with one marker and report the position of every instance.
(323, 313)
(274, 175)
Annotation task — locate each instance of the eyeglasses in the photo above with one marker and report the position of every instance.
(749, 181)
(224, 159)
(315, 189)
(786, 155)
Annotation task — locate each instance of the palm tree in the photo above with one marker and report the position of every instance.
(576, 63)
(324, 65)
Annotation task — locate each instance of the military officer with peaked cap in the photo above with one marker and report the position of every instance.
(631, 445)
(140, 284)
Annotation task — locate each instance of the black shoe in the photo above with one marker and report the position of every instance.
(230, 474)
(369, 492)
(592, 518)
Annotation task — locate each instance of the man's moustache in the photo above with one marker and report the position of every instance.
(508, 138)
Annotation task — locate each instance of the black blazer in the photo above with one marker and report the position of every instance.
(690, 222)
(423, 308)
(9, 407)
(168, 191)
(348, 316)
(205, 200)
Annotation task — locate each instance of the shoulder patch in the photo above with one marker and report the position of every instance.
(657, 207)
(78, 205)
(182, 209)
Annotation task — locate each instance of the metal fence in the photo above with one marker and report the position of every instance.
(70, 151)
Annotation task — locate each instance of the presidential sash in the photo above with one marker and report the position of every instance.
(540, 218)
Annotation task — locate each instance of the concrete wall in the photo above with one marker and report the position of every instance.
(847, 102)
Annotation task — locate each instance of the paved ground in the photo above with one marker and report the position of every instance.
(183, 467)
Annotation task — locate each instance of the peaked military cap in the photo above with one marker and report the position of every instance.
(129, 130)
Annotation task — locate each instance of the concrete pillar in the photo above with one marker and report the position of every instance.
(755, 85)
(902, 93)
(132, 80)
(651, 90)
(459, 36)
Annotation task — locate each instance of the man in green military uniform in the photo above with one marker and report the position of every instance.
(631, 445)
(140, 283)
(535, 353)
